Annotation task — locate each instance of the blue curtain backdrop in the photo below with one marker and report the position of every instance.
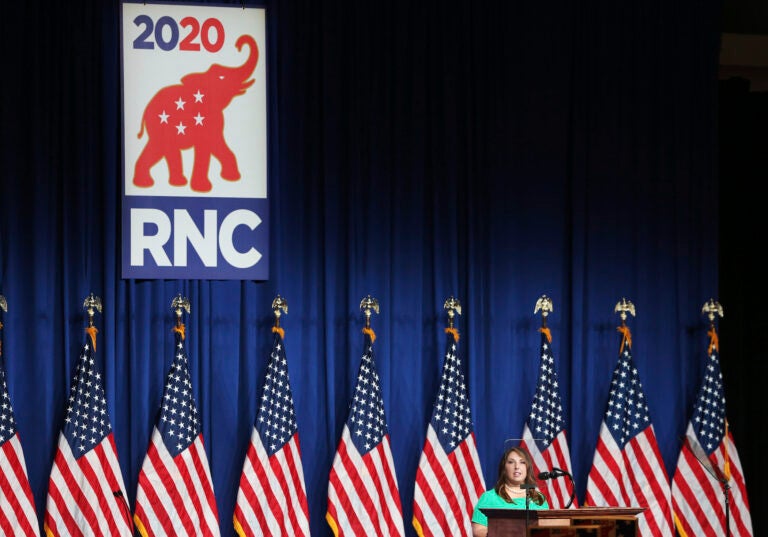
(493, 151)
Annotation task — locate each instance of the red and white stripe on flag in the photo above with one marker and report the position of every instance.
(698, 498)
(363, 496)
(447, 487)
(634, 477)
(175, 495)
(17, 505)
(271, 499)
(557, 455)
(86, 496)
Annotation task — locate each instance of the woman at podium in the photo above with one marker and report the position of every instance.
(512, 490)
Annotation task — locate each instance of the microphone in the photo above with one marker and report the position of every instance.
(555, 473)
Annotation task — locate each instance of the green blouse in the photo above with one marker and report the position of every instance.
(489, 498)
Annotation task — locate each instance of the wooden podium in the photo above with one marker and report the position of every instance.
(587, 521)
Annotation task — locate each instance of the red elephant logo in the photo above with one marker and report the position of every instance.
(191, 115)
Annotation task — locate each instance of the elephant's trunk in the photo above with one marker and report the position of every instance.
(246, 70)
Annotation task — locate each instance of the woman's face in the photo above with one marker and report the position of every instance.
(515, 468)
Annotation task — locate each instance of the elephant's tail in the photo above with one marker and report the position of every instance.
(141, 130)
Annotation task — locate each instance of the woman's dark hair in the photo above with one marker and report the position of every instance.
(533, 495)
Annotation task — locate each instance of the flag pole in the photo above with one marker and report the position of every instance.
(545, 304)
(91, 305)
(713, 309)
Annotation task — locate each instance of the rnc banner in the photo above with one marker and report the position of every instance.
(194, 101)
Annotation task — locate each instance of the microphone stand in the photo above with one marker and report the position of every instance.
(726, 488)
(558, 472)
(717, 475)
(526, 487)
(573, 486)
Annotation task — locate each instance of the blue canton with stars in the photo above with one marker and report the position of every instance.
(87, 421)
(546, 418)
(451, 417)
(276, 421)
(367, 423)
(627, 413)
(7, 420)
(179, 424)
(709, 413)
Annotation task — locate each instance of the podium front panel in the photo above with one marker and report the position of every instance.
(607, 521)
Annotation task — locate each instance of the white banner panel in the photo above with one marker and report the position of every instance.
(194, 89)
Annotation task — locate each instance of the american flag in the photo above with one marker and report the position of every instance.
(272, 498)
(698, 498)
(175, 491)
(544, 434)
(627, 469)
(449, 479)
(86, 495)
(17, 505)
(363, 497)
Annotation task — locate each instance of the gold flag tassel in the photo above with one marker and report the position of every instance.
(180, 329)
(714, 342)
(92, 331)
(370, 332)
(626, 336)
